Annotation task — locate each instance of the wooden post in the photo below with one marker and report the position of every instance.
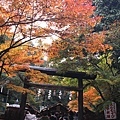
(23, 104)
(80, 99)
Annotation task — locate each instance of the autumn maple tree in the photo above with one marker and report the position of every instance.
(23, 22)
(80, 39)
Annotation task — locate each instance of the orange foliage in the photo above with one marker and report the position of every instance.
(19, 58)
(36, 76)
(95, 43)
(80, 19)
(73, 105)
(92, 43)
(90, 97)
(22, 20)
(55, 47)
(27, 15)
(20, 89)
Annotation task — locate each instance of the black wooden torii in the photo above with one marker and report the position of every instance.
(49, 71)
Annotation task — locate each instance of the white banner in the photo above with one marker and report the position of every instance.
(111, 111)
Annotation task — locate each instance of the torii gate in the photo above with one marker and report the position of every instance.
(49, 71)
